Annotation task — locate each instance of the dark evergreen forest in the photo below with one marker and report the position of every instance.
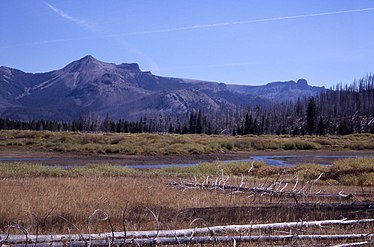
(340, 110)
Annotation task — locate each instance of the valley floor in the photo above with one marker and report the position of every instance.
(62, 205)
(84, 197)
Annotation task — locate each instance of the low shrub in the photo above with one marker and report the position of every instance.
(66, 139)
(351, 167)
(112, 149)
(227, 146)
(300, 145)
(157, 144)
(176, 149)
(358, 171)
(268, 171)
(93, 148)
(262, 144)
(16, 143)
(195, 148)
(308, 171)
(368, 179)
(101, 170)
(29, 170)
(25, 134)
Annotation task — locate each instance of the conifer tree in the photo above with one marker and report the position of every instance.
(311, 115)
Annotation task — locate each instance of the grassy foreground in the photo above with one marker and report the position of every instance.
(49, 200)
(154, 144)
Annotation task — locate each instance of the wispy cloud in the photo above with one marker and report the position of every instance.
(82, 23)
(44, 42)
(92, 28)
(222, 24)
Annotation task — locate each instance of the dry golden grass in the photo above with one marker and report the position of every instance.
(76, 198)
(40, 203)
(46, 200)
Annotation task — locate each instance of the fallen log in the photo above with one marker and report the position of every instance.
(362, 206)
(366, 243)
(203, 240)
(182, 233)
(262, 191)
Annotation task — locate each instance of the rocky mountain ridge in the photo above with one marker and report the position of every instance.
(124, 91)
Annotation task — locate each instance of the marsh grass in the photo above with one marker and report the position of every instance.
(21, 170)
(75, 198)
(357, 171)
(39, 203)
(40, 197)
(166, 144)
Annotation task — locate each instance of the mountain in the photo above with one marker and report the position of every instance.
(279, 91)
(124, 91)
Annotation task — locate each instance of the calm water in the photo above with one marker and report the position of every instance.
(272, 160)
(286, 160)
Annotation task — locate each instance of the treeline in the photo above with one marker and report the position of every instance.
(338, 111)
(341, 110)
(196, 124)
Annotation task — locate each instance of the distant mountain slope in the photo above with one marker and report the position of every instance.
(279, 91)
(91, 86)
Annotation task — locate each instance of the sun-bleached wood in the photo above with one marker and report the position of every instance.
(182, 233)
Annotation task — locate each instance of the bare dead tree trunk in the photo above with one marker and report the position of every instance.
(176, 234)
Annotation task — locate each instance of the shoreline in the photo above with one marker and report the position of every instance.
(79, 159)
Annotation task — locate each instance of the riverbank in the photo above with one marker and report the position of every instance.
(175, 145)
(78, 159)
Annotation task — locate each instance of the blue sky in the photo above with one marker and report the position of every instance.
(238, 42)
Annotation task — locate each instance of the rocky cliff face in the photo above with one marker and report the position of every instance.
(279, 91)
(89, 85)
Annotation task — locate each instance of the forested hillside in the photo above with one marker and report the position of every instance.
(341, 110)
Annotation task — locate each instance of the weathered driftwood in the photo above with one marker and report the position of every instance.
(203, 240)
(351, 206)
(262, 190)
(182, 233)
(366, 243)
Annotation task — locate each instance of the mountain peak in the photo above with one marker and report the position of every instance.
(85, 64)
(89, 63)
(88, 58)
(302, 84)
(131, 67)
(302, 81)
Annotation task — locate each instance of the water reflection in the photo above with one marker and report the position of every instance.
(271, 160)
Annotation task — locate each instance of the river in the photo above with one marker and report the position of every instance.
(272, 160)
